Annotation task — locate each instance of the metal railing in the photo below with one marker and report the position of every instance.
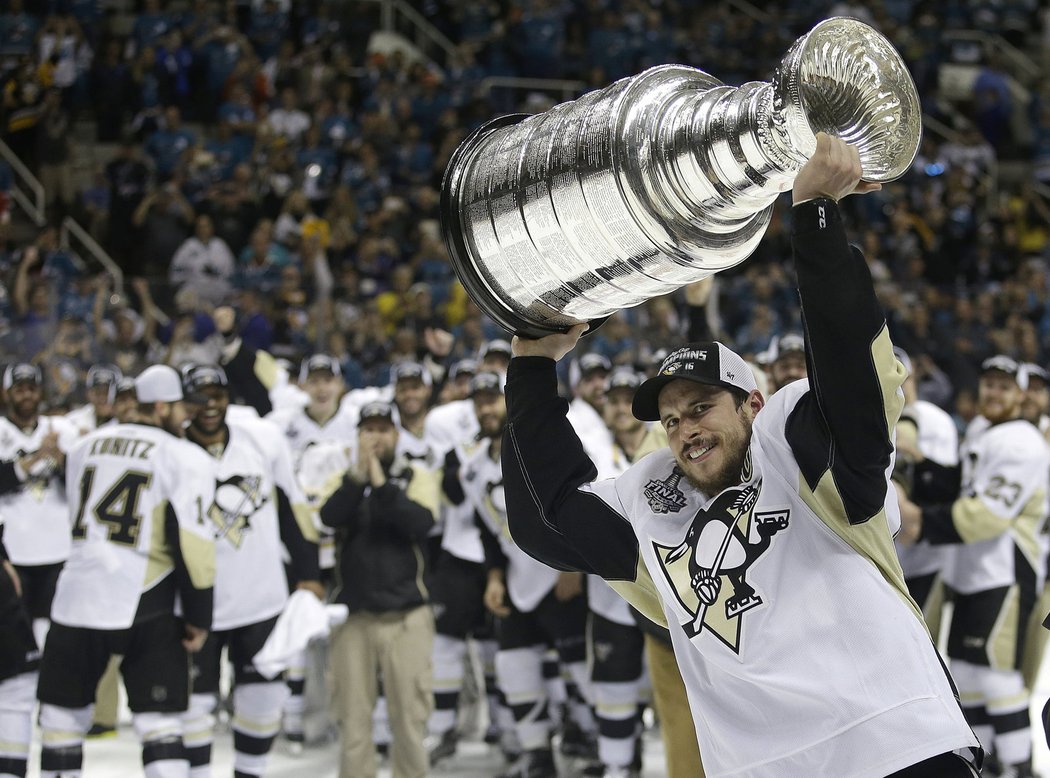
(71, 229)
(565, 88)
(748, 9)
(399, 17)
(1016, 60)
(33, 203)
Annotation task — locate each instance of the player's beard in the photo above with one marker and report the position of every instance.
(731, 447)
(490, 426)
(999, 411)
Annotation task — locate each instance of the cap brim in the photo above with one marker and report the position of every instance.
(646, 403)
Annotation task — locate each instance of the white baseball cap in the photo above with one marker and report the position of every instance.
(158, 384)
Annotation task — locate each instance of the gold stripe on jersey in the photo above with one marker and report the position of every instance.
(10, 747)
(425, 488)
(1036, 636)
(641, 594)
(304, 518)
(198, 554)
(265, 369)
(1002, 641)
(975, 521)
(871, 539)
(891, 375)
(160, 562)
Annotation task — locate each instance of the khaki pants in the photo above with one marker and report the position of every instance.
(397, 645)
(672, 706)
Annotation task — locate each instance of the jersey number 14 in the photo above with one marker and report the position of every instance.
(117, 509)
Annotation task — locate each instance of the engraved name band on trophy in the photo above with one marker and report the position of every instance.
(660, 179)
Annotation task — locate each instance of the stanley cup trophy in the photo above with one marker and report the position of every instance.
(660, 179)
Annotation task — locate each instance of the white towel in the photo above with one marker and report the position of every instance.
(303, 619)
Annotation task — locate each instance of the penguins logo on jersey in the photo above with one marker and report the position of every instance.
(236, 501)
(717, 548)
(36, 483)
(665, 496)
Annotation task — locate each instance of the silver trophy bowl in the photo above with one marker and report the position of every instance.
(660, 179)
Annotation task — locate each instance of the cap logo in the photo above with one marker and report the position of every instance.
(672, 368)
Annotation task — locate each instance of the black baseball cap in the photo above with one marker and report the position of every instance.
(403, 371)
(590, 363)
(103, 375)
(22, 372)
(463, 367)
(788, 343)
(488, 382)
(199, 377)
(376, 410)
(497, 346)
(319, 362)
(1003, 364)
(1032, 369)
(705, 363)
(124, 385)
(624, 378)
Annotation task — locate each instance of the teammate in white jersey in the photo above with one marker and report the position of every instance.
(1035, 409)
(763, 534)
(326, 422)
(786, 360)
(258, 508)
(585, 410)
(36, 513)
(19, 660)
(101, 384)
(537, 606)
(927, 440)
(999, 565)
(458, 590)
(615, 643)
(138, 507)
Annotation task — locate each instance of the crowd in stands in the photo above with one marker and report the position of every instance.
(259, 154)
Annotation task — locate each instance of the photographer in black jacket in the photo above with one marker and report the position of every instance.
(383, 510)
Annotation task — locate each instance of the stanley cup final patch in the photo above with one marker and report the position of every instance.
(665, 496)
(708, 570)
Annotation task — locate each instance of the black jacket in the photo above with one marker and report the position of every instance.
(382, 541)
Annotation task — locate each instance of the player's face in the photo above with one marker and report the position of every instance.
(617, 412)
(24, 397)
(124, 407)
(788, 368)
(173, 417)
(411, 396)
(592, 388)
(998, 397)
(491, 410)
(323, 388)
(208, 414)
(1036, 399)
(708, 432)
(98, 396)
(379, 437)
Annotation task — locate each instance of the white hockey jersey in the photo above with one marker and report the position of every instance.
(1003, 507)
(250, 584)
(83, 418)
(36, 517)
(451, 424)
(938, 441)
(462, 537)
(611, 461)
(528, 581)
(122, 479)
(784, 572)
